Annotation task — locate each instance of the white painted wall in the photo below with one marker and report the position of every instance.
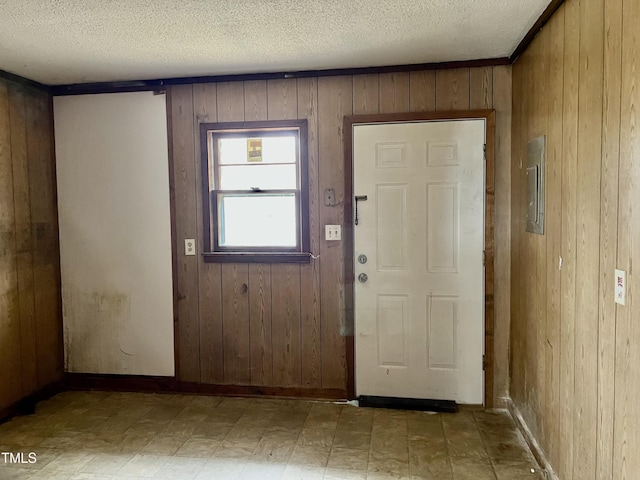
(115, 234)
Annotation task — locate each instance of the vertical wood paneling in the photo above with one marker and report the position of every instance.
(588, 239)
(24, 242)
(422, 91)
(631, 239)
(310, 274)
(183, 142)
(627, 384)
(210, 275)
(230, 101)
(285, 298)
(10, 381)
(366, 94)
(394, 92)
(590, 413)
(205, 106)
(516, 346)
(335, 100)
(452, 89)
(554, 227)
(211, 333)
(569, 210)
(481, 88)
(30, 316)
(260, 308)
(235, 314)
(502, 268)
(255, 100)
(44, 234)
(608, 237)
(282, 99)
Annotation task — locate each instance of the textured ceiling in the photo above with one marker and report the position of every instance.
(76, 41)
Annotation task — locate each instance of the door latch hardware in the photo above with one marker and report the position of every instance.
(362, 278)
(362, 259)
(359, 198)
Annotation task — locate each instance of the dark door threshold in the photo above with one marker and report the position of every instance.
(446, 406)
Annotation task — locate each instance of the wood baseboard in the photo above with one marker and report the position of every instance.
(150, 384)
(534, 446)
(27, 405)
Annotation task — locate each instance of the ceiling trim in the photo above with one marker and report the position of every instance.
(12, 77)
(161, 84)
(535, 29)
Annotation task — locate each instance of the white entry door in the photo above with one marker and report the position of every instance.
(419, 313)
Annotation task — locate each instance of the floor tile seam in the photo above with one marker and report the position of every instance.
(446, 446)
(484, 443)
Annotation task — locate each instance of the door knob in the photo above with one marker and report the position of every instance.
(362, 278)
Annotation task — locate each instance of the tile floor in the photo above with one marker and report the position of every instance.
(117, 436)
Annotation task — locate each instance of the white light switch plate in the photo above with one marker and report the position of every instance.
(189, 246)
(332, 232)
(621, 287)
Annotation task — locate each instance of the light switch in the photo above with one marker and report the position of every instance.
(189, 246)
(621, 287)
(332, 232)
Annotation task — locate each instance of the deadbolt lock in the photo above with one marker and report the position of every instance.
(362, 259)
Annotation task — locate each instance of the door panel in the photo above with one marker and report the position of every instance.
(442, 227)
(391, 222)
(392, 332)
(419, 328)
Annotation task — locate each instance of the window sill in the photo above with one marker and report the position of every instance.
(256, 257)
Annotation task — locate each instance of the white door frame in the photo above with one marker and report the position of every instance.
(348, 234)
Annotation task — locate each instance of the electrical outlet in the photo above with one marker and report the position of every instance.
(621, 287)
(332, 232)
(189, 246)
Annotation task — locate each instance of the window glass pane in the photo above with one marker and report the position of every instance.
(264, 177)
(257, 220)
(270, 149)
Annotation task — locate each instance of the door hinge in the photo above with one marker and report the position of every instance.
(484, 257)
(484, 151)
(484, 363)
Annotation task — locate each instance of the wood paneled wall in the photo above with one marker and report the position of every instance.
(284, 325)
(30, 319)
(575, 356)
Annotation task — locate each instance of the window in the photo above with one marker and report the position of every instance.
(255, 191)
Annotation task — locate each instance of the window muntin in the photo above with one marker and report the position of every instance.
(257, 190)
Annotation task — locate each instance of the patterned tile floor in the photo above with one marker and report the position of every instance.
(117, 436)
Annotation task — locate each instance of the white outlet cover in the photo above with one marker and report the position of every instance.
(189, 246)
(621, 287)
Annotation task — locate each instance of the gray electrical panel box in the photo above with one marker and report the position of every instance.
(535, 185)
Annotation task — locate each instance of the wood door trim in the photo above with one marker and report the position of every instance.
(174, 236)
(489, 239)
